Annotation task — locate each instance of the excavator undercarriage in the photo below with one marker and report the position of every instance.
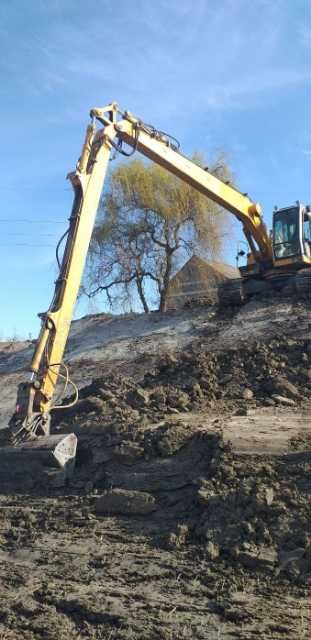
(237, 291)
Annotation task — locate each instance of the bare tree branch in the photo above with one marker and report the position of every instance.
(150, 223)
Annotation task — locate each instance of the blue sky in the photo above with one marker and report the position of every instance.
(230, 75)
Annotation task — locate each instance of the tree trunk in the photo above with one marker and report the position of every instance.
(139, 284)
(166, 280)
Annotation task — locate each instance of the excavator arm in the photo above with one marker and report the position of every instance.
(35, 398)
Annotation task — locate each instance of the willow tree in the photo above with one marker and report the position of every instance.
(150, 222)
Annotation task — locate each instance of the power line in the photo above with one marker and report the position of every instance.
(25, 233)
(25, 244)
(33, 221)
(28, 188)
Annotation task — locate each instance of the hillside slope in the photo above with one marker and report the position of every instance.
(131, 342)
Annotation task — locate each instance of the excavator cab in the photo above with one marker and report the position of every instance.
(292, 235)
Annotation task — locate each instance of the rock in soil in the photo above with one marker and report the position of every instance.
(125, 502)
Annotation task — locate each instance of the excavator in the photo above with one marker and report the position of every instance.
(279, 260)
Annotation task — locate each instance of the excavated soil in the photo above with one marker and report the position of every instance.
(171, 535)
(189, 512)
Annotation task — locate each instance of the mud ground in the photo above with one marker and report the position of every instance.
(201, 543)
(188, 515)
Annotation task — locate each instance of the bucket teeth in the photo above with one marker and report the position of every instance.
(29, 427)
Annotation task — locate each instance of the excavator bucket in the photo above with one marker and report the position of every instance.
(31, 458)
(42, 464)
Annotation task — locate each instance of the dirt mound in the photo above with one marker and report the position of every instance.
(259, 374)
(258, 371)
(250, 511)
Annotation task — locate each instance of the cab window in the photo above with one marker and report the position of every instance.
(286, 233)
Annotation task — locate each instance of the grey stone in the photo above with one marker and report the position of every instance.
(265, 557)
(125, 502)
(225, 379)
(269, 495)
(247, 394)
(283, 400)
(292, 561)
(212, 550)
(269, 402)
(282, 386)
(129, 451)
(105, 394)
(138, 398)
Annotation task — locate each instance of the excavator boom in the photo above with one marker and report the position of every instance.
(157, 147)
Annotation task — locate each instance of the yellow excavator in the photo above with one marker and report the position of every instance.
(280, 259)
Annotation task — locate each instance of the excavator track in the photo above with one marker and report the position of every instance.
(237, 291)
(231, 292)
(303, 283)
